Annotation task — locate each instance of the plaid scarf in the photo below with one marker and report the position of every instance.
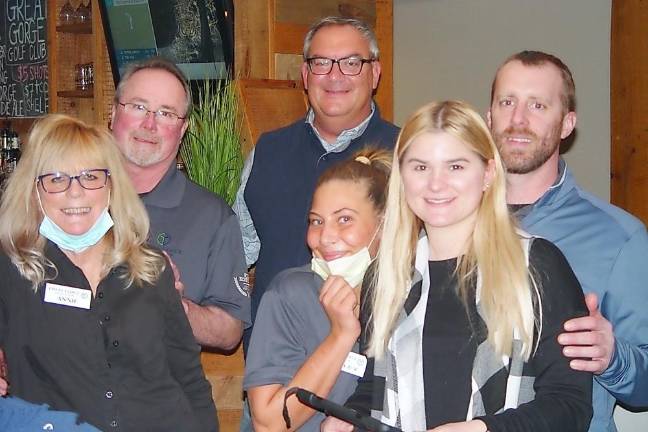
(493, 376)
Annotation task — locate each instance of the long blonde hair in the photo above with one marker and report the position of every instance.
(494, 249)
(52, 141)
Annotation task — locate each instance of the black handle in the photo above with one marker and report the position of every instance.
(362, 422)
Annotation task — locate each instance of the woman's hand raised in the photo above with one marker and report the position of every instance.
(340, 303)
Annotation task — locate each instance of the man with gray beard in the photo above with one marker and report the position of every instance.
(197, 230)
(533, 108)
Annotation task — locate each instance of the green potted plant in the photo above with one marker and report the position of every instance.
(211, 149)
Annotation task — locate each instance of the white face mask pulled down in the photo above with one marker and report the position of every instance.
(352, 268)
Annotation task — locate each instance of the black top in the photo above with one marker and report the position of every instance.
(130, 362)
(448, 345)
(563, 396)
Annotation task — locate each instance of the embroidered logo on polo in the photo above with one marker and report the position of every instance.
(242, 284)
(162, 239)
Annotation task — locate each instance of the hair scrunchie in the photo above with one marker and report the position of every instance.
(363, 159)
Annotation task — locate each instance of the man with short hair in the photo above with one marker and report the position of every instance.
(341, 70)
(195, 228)
(533, 108)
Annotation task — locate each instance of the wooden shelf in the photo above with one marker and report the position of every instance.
(82, 28)
(76, 93)
(77, 44)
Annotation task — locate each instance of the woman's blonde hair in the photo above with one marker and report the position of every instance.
(53, 142)
(371, 166)
(494, 249)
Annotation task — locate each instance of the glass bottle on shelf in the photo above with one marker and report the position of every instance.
(3, 136)
(14, 150)
(5, 141)
(83, 13)
(67, 13)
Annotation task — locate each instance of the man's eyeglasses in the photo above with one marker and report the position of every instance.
(162, 116)
(58, 182)
(348, 65)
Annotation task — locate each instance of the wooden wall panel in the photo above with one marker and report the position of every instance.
(104, 86)
(252, 38)
(261, 111)
(289, 37)
(288, 67)
(52, 53)
(304, 12)
(225, 373)
(629, 106)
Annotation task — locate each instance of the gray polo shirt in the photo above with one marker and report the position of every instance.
(201, 234)
(289, 326)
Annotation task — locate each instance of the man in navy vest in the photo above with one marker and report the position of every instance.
(340, 72)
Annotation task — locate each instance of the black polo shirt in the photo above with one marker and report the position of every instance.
(129, 362)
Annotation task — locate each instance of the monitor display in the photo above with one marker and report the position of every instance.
(197, 35)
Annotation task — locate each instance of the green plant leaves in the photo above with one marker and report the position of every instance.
(211, 148)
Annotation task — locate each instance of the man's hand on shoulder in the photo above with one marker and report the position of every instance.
(212, 326)
(179, 286)
(4, 385)
(588, 340)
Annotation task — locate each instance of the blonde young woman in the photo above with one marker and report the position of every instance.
(305, 334)
(464, 309)
(90, 320)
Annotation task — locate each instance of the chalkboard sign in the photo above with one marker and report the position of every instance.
(23, 58)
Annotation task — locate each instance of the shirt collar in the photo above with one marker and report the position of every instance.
(168, 192)
(346, 136)
(562, 172)
(521, 211)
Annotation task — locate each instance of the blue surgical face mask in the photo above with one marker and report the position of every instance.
(72, 242)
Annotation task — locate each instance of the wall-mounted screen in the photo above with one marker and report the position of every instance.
(197, 35)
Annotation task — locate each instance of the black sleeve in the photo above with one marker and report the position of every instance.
(563, 399)
(5, 290)
(183, 354)
(368, 394)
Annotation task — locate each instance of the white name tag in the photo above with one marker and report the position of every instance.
(355, 364)
(67, 296)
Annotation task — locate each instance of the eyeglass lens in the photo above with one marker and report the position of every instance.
(60, 182)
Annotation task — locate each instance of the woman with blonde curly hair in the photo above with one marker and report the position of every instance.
(90, 320)
(464, 310)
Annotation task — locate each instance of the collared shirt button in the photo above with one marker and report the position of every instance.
(100, 295)
(115, 343)
(113, 423)
(109, 365)
(109, 394)
(107, 318)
